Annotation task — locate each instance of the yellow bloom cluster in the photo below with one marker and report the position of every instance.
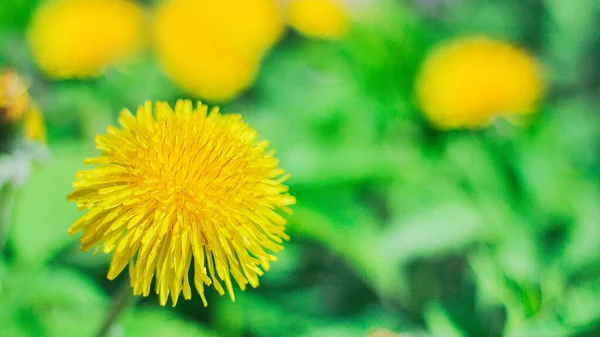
(79, 38)
(34, 128)
(212, 49)
(325, 19)
(16, 105)
(180, 187)
(14, 98)
(470, 82)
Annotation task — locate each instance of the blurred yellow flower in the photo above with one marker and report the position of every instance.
(471, 81)
(250, 26)
(177, 187)
(212, 49)
(326, 19)
(79, 38)
(14, 98)
(34, 128)
(382, 333)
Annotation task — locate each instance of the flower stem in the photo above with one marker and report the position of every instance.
(120, 301)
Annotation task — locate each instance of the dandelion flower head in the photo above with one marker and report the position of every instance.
(253, 26)
(180, 187)
(327, 19)
(34, 128)
(79, 38)
(470, 82)
(14, 98)
(212, 49)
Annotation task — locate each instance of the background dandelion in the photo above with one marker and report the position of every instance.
(79, 38)
(473, 81)
(443, 153)
(213, 49)
(318, 18)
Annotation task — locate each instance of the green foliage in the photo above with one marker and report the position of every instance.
(161, 323)
(42, 213)
(50, 302)
(398, 226)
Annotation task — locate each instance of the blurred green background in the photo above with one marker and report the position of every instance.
(398, 226)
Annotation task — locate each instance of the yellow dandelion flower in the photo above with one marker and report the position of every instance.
(34, 128)
(469, 82)
(179, 187)
(253, 26)
(212, 49)
(14, 98)
(79, 38)
(326, 19)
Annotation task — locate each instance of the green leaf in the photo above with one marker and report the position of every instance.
(147, 322)
(68, 303)
(439, 323)
(491, 18)
(53, 302)
(583, 246)
(42, 213)
(333, 330)
(288, 262)
(442, 227)
(135, 81)
(343, 225)
(77, 109)
(15, 14)
(255, 314)
(546, 325)
(308, 164)
(582, 304)
(570, 30)
(492, 288)
(496, 285)
(17, 321)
